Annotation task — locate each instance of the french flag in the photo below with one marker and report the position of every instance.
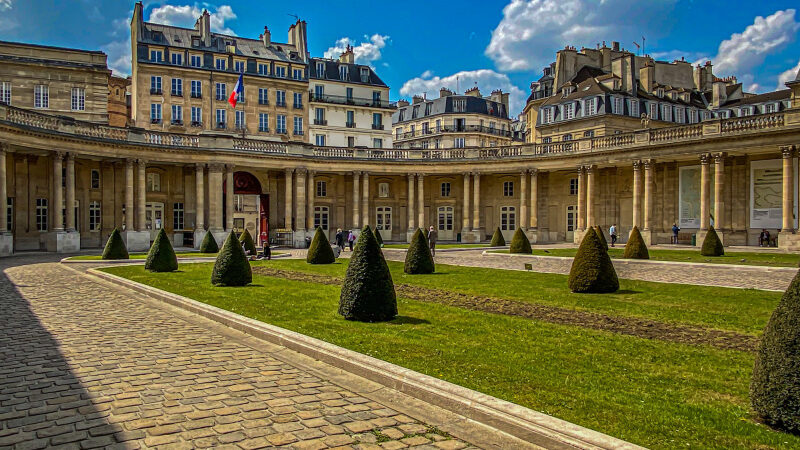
(238, 89)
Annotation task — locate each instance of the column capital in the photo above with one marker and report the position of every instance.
(216, 167)
(637, 165)
(590, 168)
(141, 162)
(705, 158)
(720, 157)
(356, 173)
(533, 171)
(301, 170)
(230, 167)
(467, 174)
(70, 157)
(365, 174)
(312, 172)
(648, 163)
(4, 147)
(200, 166)
(580, 169)
(787, 151)
(59, 154)
(130, 161)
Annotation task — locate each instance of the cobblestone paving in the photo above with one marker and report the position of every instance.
(83, 366)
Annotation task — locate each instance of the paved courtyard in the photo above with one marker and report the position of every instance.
(86, 366)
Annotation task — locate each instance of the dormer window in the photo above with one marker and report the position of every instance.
(459, 105)
(364, 75)
(686, 97)
(672, 95)
(320, 70)
(343, 72)
(745, 111)
(590, 106)
(659, 93)
(195, 42)
(547, 115)
(770, 108)
(569, 111)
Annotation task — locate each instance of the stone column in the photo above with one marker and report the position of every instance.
(215, 198)
(365, 213)
(719, 196)
(787, 154)
(648, 194)
(199, 223)
(476, 201)
(70, 204)
(581, 199)
(311, 192)
(58, 199)
(130, 210)
(300, 197)
(141, 196)
(534, 219)
(465, 207)
(637, 194)
(421, 197)
(229, 197)
(411, 200)
(3, 192)
(591, 189)
(705, 193)
(288, 188)
(356, 199)
(523, 199)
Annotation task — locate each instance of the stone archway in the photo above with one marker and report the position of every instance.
(251, 207)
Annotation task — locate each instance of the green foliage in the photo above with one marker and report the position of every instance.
(712, 246)
(775, 386)
(231, 267)
(592, 271)
(378, 237)
(115, 247)
(368, 291)
(602, 236)
(209, 244)
(497, 239)
(320, 251)
(161, 257)
(635, 248)
(246, 240)
(418, 256)
(520, 243)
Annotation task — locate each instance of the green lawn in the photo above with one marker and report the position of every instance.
(440, 246)
(144, 256)
(653, 393)
(776, 259)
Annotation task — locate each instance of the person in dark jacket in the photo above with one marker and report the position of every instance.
(340, 239)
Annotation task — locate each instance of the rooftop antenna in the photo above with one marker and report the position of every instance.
(638, 48)
(457, 88)
(296, 17)
(643, 51)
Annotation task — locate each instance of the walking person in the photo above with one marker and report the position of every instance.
(613, 233)
(340, 239)
(675, 231)
(350, 239)
(433, 235)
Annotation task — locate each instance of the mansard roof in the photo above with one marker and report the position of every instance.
(444, 105)
(775, 96)
(353, 73)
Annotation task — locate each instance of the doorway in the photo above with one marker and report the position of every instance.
(445, 223)
(154, 218)
(508, 222)
(383, 222)
(572, 222)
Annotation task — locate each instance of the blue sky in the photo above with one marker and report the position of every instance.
(419, 47)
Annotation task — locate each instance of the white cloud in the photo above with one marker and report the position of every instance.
(186, 16)
(487, 80)
(745, 51)
(6, 23)
(365, 53)
(532, 30)
(787, 76)
(5, 5)
(119, 56)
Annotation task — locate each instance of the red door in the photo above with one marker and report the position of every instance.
(263, 218)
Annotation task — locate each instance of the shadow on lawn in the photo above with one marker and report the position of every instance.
(406, 320)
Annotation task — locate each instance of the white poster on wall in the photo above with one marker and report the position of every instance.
(689, 197)
(766, 194)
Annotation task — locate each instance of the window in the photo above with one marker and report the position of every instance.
(547, 140)
(508, 218)
(567, 137)
(659, 93)
(633, 107)
(508, 189)
(590, 106)
(680, 117)
(197, 89)
(263, 122)
(94, 216)
(263, 69)
(573, 186)
(547, 115)
(177, 59)
(177, 216)
(41, 96)
(298, 100)
(41, 214)
(280, 124)
(588, 134)
(458, 143)
(459, 105)
(745, 111)
(155, 85)
(769, 108)
(351, 141)
(156, 55)
(364, 75)
(321, 217)
(569, 111)
(377, 121)
(280, 71)
(153, 182)
(322, 189)
(197, 115)
(398, 132)
(239, 120)
(221, 119)
(263, 96)
(349, 94)
(280, 98)
(177, 114)
(5, 92)
(319, 116)
(350, 120)
(319, 91)
(652, 112)
(445, 189)
(415, 112)
(617, 105)
(155, 113)
(221, 90)
(343, 72)
(722, 114)
(377, 143)
(692, 116)
(177, 87)
(220, 64)
(78, 99)
(320, 70)
(10, 213)
(320, 140)
(297, 74)
(298, 126)
(238, 66)
(95, 179)
(195, 61)
(666, 112)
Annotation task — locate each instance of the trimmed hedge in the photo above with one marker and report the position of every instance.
(592, 271)
(636, 248)
(161, 257)
(418, 256)
(712, 246)
(601, 235)
(378, 237)
(368, 291)
(775, 386)
(209, 244)
(520, 243)
(497, 239)
(320, 251)
(246, 240)
(231, 267)
(115, 247)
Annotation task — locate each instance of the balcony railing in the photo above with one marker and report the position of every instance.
(377, 126)
(197, 95)
(320, 122)
(355, 101)
(350, 124)
(455, 129)
(154, 91)
(177, 93)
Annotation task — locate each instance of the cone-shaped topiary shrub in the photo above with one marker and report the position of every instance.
(712, 246)
(497, 239)
(378, 237)
(418, 256)
(115, 247)
(602, 236)
(775, 386)
(246, 240)
(592, 271)
(320, 251)
(368, 291)
(636, 248)
(231, 267)
(520, 243)
(161, 257)
(209, 244)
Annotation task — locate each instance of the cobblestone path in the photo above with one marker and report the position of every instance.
(85, 366)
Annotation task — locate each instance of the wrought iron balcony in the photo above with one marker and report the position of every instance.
(355, 101)
(320, 122)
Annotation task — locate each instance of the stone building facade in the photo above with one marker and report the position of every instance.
(119, 101)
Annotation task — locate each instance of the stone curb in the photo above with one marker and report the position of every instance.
(452, 250)
(185, 259)
(523, 423)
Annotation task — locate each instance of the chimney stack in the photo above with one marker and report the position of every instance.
(348, 57)
(444, 92)
(203, 25)
(615, 46)
(402, 103)
(266, 37)
(719, 94)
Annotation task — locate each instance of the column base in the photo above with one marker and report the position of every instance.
(700, 236)
(474, 236)
(136, 241)
(533, 235)
(648, 237)
(63, 242)
(577, 235)
(199, 235)
(410, 235)
(788, 241)
(6, 244)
